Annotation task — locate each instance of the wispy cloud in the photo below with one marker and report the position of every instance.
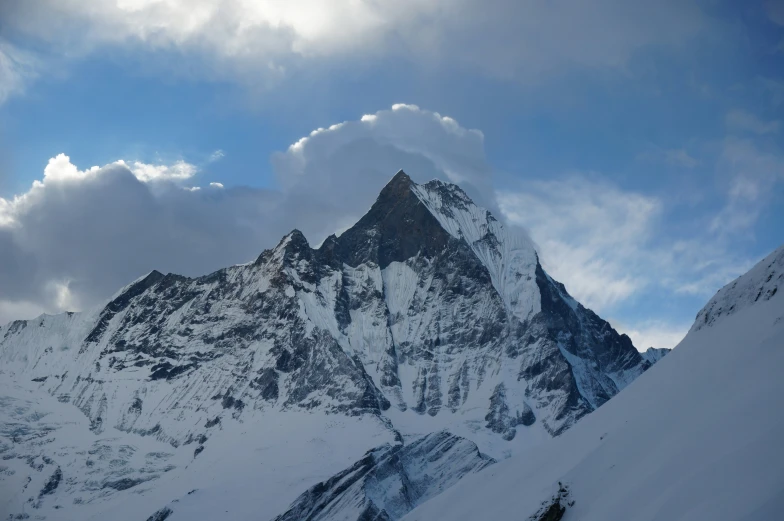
(17, 69)
(752, 175)
(677, 157)
(592, 235)
(748, 122)
(771, 88)
(610, 246)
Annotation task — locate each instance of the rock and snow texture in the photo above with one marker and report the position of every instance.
(760, 284)
(250, 470)
(654, 354)
(697, 437)
(426, 315)
(389, 481)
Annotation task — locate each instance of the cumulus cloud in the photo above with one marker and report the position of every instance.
(60, 168)
(522, 39)
(338, 171)
(78, 234)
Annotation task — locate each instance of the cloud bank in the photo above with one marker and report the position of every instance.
(261, 41)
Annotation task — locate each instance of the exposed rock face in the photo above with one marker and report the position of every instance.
(499, 418)
(427, 305)
(390, 481)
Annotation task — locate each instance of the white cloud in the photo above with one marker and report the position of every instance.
(522, 39)
(179, 171)
(748, 122)
(609, 246)
(60, 168)
(656, 334)
(752, 175)
(78, 235)
(338, 171)
(17, 69)
(216, 185)
(593, 236)
(216, 156)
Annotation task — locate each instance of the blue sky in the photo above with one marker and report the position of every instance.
(640, 144)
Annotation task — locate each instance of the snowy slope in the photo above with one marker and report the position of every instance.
(250, 470)
(697, 437)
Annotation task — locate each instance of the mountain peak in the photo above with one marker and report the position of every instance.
(397, 227)
(400, 177)
(396, 188)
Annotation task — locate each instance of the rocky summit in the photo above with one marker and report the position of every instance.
(427, 315)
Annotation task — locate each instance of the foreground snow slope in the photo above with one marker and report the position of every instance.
(698, 437)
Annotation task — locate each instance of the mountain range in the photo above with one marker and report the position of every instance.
(355, 380)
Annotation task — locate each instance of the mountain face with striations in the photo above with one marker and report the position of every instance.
(426, 315)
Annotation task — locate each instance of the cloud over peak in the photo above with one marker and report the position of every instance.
(77, 235)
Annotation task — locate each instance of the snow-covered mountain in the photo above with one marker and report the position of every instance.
(427, 315)
(698, 437)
